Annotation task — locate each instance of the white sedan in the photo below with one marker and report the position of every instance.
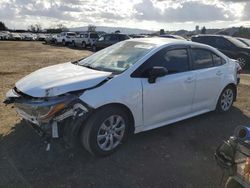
(132, 86)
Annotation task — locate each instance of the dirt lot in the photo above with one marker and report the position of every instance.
(179, 155)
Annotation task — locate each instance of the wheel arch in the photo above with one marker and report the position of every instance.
(234, 88)
(126, 109)
(233, 85)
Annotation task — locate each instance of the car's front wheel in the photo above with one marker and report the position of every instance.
(226, 99)
(105, 131)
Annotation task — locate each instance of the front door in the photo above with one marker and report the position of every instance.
(170, 97)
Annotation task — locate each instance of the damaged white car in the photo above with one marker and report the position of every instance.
(130, 87)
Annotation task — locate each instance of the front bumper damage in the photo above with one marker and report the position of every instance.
(64, 124)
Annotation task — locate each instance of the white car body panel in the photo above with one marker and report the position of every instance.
(59, 79)
(84, 37)
(172, 98)
(129, 93)
(64, 37)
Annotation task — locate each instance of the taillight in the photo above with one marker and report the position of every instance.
(239, 69)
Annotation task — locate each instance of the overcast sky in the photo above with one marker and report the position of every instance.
(144, 14)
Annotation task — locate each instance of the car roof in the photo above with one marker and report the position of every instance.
(160, 41)
(212, 35)
(164, 42)
(115, 34)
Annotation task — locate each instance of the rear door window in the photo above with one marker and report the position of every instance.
(123, 37)
(114, 38)
(201, 58)
(223, 43)
(107, 37)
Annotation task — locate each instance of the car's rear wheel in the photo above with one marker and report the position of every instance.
(242, 60)
(94, 49)
(226, 99)
(63, 42)
(105, 131)
(83, 45)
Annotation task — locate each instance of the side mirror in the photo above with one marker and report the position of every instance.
(155, 72)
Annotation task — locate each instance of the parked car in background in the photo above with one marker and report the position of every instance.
(138, 36)
(41, 37)
(65, 38)
(246, 41)
(28, 36)
(172, 36)
(230, 46)
(85, 39)
(50, 39)
(108, 40)
(130, 87)
(4, 36)
(15, 36)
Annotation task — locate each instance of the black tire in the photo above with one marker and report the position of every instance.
(73, 43)
(243, 61)
(94, 49)
(56, 42)
(231, 183)
(225, 105)
(64, 43)
(93, 126)
(83, 45)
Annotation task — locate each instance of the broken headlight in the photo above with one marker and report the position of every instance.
(43, 110)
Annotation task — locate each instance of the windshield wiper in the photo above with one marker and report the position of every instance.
(90, 67)
(77, 61)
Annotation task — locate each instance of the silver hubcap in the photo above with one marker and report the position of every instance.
(227, 99)
(242, 61)
(111, 132)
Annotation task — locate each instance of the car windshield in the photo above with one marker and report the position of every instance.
(71, 34)
(118, 57)
(237, 43)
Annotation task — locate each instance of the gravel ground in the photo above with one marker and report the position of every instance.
(175, 156)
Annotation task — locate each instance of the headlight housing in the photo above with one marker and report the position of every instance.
(43, 110)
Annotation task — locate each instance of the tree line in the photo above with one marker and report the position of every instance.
(37, 28)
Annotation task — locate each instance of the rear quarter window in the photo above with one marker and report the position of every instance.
(218, 60)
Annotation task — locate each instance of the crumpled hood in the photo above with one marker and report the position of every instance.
(59, 79)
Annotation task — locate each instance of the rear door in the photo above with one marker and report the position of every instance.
(209, 71)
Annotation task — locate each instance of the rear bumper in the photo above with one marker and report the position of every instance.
(238, 81)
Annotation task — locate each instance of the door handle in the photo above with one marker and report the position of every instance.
(189, 80)
(219, 73)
